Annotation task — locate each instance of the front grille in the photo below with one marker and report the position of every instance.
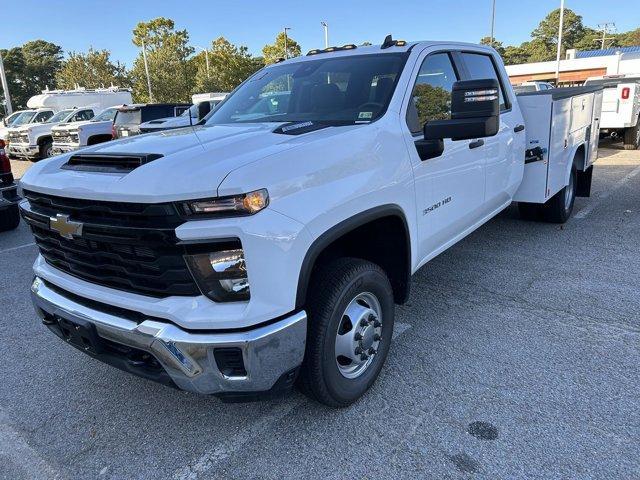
(65, 137)
(127, 246)
(16, 137)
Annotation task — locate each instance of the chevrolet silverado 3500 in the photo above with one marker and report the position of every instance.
(251, 252)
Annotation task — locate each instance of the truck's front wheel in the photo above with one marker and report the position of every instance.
(351, 312)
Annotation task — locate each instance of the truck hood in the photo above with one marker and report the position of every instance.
(35, 128)
(70, 126)
(193, 164)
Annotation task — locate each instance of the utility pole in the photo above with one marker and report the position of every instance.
(559, 42)
(605, 29)
(5, 87)
(146, 70)
(493, 21)
(325, 25)
(286, 48)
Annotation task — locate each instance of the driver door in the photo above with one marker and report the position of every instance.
(450, 188)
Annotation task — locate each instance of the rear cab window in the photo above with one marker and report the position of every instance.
(480, 66)
(128, 117)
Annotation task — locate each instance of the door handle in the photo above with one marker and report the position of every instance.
(518, 128)
(476, 144)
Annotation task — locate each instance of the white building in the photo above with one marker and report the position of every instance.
(579, 65)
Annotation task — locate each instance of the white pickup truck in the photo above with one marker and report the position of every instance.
(72, 136)
(248, 253)
(620, 107)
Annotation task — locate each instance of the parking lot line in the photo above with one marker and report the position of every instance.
(14, 450)
(12, 249)
(596, 202)
(211, 458)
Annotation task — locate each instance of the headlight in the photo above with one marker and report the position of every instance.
(236, 205)
(221, 276)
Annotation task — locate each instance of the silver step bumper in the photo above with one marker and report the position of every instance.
(268, 352)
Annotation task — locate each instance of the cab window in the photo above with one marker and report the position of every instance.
(82, 115)
(431, 94)
(481, 66)
(43, 117)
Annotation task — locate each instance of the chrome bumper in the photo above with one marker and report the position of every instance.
(22, 150)
(269, 352)
(59, 148)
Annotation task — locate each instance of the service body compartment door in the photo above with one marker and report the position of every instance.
(537, 111)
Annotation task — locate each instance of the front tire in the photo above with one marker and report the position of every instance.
(9, 218)
(351, 315)
(45, 150)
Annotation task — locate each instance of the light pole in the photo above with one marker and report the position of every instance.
(5, 87)
(206, 57)
(325, 25)
(286, 48)
(146, 70)
(493, 20)
(559, 42)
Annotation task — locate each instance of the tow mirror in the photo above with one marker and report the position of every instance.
(203, 110)
(475, 112)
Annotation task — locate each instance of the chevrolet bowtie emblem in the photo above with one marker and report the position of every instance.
(65, 227)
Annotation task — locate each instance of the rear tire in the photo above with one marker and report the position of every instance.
(9, 218)
(632, 137)
(559, 207)
(351, 305)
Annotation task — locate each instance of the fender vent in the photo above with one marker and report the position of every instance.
(108, 163)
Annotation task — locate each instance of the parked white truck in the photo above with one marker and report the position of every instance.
(72, 136)
(620, 107)
(34, 141)
(187, 118)
(249, 252)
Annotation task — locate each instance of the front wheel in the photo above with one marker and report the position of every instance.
(9, 218)
(351, 315)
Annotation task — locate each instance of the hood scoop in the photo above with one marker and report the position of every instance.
(108, 163)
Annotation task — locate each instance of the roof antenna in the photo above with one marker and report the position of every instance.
(388, 42)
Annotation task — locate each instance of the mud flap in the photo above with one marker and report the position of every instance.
(583, 189)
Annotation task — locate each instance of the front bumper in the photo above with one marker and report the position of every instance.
(59, 148)
(23, 150)
(8, 195)
(271, 354)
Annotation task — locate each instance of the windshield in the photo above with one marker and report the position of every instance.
(23, 118)
(106, 116)
(9, 120)
(60, 116)
(344, 90)
(524, 88)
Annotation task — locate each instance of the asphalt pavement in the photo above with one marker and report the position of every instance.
(516, 357)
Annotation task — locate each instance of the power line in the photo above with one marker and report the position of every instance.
(606, 27)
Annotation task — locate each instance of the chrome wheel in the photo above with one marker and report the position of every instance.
(358, 336)
(568, 193)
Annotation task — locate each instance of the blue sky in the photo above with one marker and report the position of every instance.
(77, 25)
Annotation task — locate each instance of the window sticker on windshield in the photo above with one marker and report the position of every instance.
(365, 115)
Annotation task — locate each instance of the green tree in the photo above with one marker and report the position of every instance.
(14, 67)
(499, 47)
(544, 42)
(91, 70)
(630, 39)
(229, 65)
(275, 51)
(171, 69)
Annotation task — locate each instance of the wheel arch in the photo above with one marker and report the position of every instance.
(396, 263)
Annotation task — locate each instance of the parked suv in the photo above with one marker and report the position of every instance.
(128, 119)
